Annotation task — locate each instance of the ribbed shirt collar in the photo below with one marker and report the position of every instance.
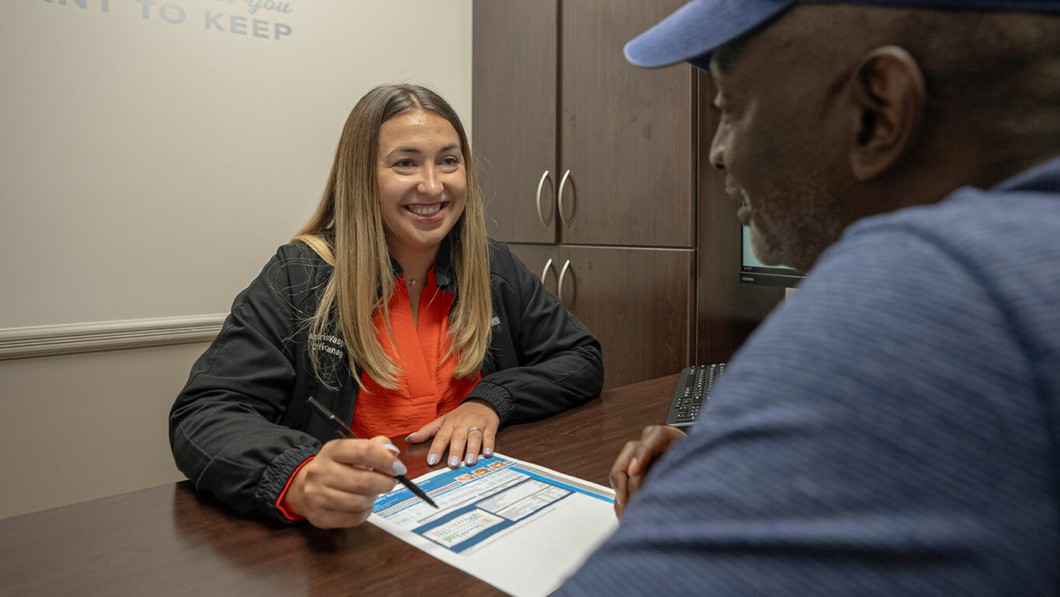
(1043, 178)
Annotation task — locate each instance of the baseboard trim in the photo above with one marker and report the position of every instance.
(51, 340)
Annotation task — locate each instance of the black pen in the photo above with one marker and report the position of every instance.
(345, 432)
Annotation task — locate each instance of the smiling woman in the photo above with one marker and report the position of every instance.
(391, 308)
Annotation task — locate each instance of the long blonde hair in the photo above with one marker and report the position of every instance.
(363, 279)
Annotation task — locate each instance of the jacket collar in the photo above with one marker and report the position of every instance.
(444, 271)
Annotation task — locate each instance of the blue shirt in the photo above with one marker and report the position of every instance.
(892, 429)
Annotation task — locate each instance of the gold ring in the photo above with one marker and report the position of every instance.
(470, 429)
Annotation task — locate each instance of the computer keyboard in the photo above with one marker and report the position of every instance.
(692, 393)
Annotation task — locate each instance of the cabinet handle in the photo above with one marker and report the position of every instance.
(537, 199)
(544, 271)
(559, 196)
(559, 287)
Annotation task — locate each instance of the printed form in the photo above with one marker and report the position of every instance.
(517, 526)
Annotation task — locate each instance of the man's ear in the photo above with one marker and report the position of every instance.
(889, 95)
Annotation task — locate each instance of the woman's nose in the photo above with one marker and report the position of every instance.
(430, 184)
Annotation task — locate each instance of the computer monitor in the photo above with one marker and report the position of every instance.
(753, 271)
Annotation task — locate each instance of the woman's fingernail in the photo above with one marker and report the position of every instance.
(470, 459)
(399, 468)
(396, 450)
(432, 459)
(454, 461)
(408, 437)
(487, 452)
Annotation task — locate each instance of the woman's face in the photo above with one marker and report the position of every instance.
(422, 183)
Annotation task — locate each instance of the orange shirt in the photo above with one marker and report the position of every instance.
(426, 387)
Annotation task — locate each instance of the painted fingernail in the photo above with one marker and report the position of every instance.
(470, 459)
(432, 459)
(396, 450)
(454, 461)
(408, 438)
(487, 452)
(399, 468)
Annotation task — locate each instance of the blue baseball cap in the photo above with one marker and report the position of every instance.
(697, 28)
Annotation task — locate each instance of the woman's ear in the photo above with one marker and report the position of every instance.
(889, 96)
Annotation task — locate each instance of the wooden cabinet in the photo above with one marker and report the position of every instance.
(588, 171)
(591, 172)
(572, 143)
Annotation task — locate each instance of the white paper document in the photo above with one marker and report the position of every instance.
(517, 526)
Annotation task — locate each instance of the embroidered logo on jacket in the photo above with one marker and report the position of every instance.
(327, 343)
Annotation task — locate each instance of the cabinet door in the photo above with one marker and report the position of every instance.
(627, 133)
(638, 302)
(514, 117)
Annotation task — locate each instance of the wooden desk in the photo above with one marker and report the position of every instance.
(168, 540)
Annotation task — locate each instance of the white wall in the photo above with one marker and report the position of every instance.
(85, 426)
(153, 154)
(147, 169)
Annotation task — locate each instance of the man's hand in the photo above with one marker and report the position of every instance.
(636, 459)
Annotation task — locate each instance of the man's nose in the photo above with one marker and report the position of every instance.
(717, 150)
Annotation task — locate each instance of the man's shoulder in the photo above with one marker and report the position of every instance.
(979, 255)
(983, 228)
(1028, 203)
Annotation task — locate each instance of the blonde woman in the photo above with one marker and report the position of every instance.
(393, 309)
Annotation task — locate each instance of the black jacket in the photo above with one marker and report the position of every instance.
(241, 425)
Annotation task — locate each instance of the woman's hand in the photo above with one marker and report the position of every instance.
(339, 486)
(466, 431)
(636, 459)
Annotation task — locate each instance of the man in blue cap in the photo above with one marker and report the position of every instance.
(894, 427)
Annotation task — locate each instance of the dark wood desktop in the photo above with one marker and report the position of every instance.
(168, 540)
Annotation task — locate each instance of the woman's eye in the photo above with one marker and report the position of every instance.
(450, 161)
(404, 164)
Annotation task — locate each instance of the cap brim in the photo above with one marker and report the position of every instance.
(697, 28)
